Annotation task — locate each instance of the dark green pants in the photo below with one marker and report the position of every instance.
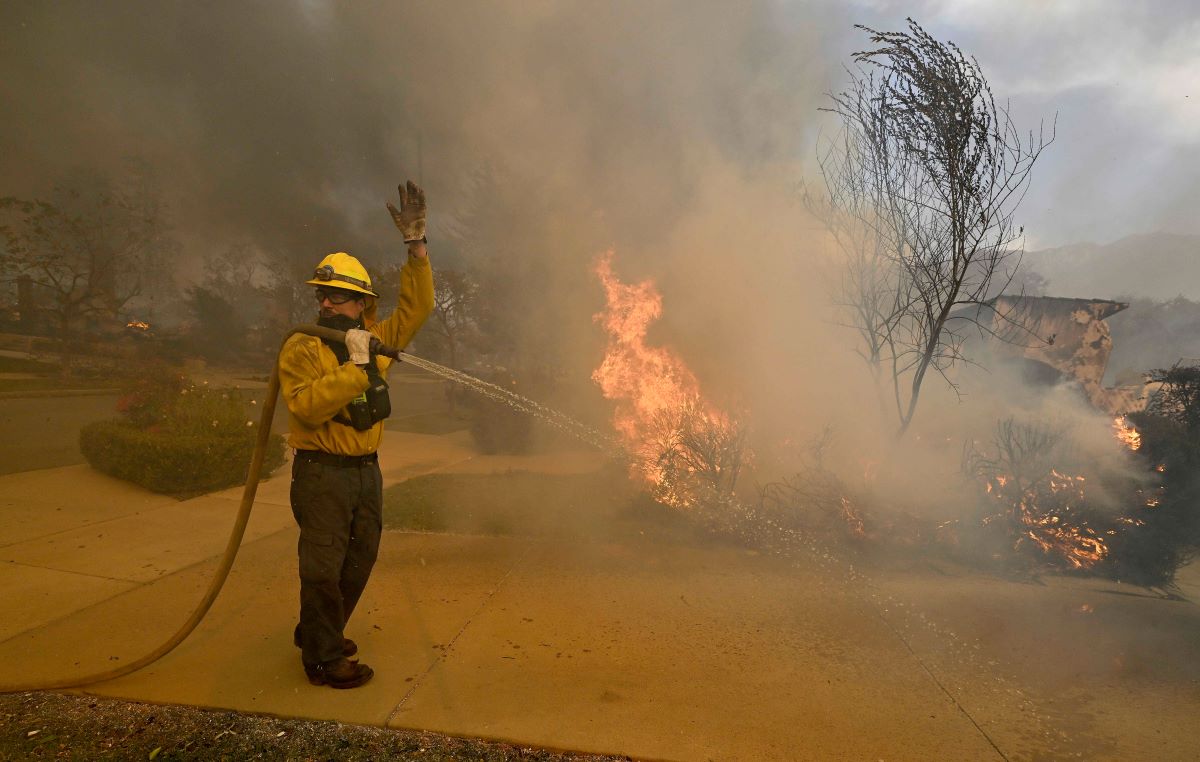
(339, 507)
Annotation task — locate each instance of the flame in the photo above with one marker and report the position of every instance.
(1126, 433)
(138, 324)
(853, 518)
(1043, 510)
(660, 413)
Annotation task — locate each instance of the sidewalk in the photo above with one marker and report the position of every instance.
(648, 647)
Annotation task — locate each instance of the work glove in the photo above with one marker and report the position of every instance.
(410, 217)
(359, 344)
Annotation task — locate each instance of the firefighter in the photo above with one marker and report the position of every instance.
(337, 398)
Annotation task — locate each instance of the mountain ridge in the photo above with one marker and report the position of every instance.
(1156, 265)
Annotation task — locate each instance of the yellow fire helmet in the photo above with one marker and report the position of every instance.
(340, 270)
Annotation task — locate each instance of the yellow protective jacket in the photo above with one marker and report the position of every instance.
(315, 387)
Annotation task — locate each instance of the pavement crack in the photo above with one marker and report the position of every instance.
(450, 645)
(940, 684)
(136, 584)
(89, 525)
(72, 571)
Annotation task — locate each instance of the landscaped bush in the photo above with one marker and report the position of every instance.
(495, 427)
(178, 438)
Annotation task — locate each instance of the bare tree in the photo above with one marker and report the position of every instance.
(922, 190)
(232, 306)
(454, 306)
(92, 247)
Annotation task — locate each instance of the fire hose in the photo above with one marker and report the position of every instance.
(235, 536)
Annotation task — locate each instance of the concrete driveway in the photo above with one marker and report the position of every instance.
(653, 645)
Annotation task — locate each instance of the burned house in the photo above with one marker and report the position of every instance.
(1057, 339)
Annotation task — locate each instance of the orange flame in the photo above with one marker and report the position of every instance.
(1048, 527)
(651, 385)
(1126, 433)
(141, 325)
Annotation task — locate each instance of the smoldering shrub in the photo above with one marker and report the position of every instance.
(810, 497)
(1032, 510)
(1169, 431)
(819, 502)
(1044, 505)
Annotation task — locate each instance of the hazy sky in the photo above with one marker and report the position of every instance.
(1123, 79)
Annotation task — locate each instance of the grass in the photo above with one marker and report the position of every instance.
(49, 377)
(602, 504)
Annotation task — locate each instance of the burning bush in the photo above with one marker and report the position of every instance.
(1041, 510)
(1031, 510)
(689, 452)
(1169, 431)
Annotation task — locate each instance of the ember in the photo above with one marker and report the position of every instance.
(853, 519)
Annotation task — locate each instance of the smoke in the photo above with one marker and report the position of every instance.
(286, 126)
(545, 133)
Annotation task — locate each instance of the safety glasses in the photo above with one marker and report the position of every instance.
(334, 295)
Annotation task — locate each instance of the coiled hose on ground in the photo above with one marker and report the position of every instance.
(235, 536)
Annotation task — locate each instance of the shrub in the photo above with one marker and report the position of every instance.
(1170, 443)
(495, 426)
(177, 438)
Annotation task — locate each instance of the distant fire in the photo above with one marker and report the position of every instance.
(675, 435)
(138, 325)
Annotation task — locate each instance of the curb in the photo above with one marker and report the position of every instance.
(58, 393)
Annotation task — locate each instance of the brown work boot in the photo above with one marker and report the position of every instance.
(339, 673)
(349, 647)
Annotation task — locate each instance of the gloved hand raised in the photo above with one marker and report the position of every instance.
(359, 344)
(410, 217)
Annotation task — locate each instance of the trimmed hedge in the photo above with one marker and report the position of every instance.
(174, 462)
(178, 437)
